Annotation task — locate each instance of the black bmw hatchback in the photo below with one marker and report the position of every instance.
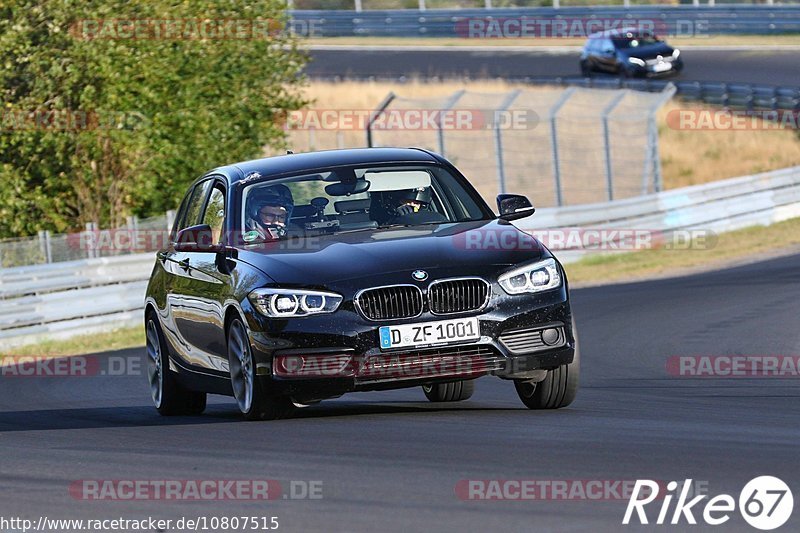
(630, 53)
(299, 278)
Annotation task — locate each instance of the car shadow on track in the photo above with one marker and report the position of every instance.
(145, 416)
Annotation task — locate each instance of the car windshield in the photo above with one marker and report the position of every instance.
(634, 40)
(357, 199)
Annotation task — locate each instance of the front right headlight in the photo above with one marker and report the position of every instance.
(636, 61)
(290, 303)
(536, 277)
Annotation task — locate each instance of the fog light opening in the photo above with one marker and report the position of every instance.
(551, 336)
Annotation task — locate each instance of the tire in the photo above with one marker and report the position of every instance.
(169, 397)
(455, 391)
(586, 72)
(253, 401)
(558, 389)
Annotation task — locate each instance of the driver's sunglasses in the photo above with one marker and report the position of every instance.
(277, 217)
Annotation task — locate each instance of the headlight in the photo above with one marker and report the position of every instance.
(676, 53)
(636, 61)
(538, 277)
(287, 303)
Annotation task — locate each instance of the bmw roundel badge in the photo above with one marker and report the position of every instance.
(419, 275)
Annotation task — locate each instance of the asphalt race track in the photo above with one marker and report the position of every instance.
(769, 67)
(391, 461)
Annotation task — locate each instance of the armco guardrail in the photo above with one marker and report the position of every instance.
(71, 297)
(97, 294)
(726, 205)
(733, 95)
(672, 20)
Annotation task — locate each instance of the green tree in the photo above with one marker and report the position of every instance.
(104, 114)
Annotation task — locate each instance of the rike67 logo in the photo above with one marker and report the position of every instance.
(765, 503)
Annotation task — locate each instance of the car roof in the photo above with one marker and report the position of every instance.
(311, 161)
(618, 32)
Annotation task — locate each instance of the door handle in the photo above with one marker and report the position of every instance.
(184, 264)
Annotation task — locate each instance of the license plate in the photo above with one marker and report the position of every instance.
(429, 333)
(662, 67)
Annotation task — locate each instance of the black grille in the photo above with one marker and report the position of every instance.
(400, 301)
(463, 362)
(458, 295)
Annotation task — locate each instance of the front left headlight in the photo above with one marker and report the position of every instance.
(636, 61)
(537, 277)
(289, 303)
(676, 53)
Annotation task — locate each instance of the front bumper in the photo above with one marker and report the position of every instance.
(334, 354)
(651, 71)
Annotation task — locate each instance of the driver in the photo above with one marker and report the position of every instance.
(269, 211)
(414, 207)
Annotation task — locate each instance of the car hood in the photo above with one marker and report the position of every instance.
(443, 250)
(649, 52)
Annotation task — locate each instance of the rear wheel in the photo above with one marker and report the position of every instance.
(559, 387)
(169, 397)
(455, 391)
(252, 399)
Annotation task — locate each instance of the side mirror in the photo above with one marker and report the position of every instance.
(198, 238)
(514, 206)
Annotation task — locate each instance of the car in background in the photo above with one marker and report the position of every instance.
(370, 269)
(630, 53)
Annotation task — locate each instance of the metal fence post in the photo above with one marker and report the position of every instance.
(170, 219)
(451, 102)
(312, 139)
(358, 6)
(498, 139)
(375, 114)
(42, 245)
(422, 6)
(607, 142)
(48, 246)
(653, 159)
(554, 140)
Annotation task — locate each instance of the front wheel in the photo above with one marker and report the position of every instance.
(252, 399)
(169, 397)
(559, 387)
(456, 391)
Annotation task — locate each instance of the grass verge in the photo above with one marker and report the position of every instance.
(82, 344)
(730, 248)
